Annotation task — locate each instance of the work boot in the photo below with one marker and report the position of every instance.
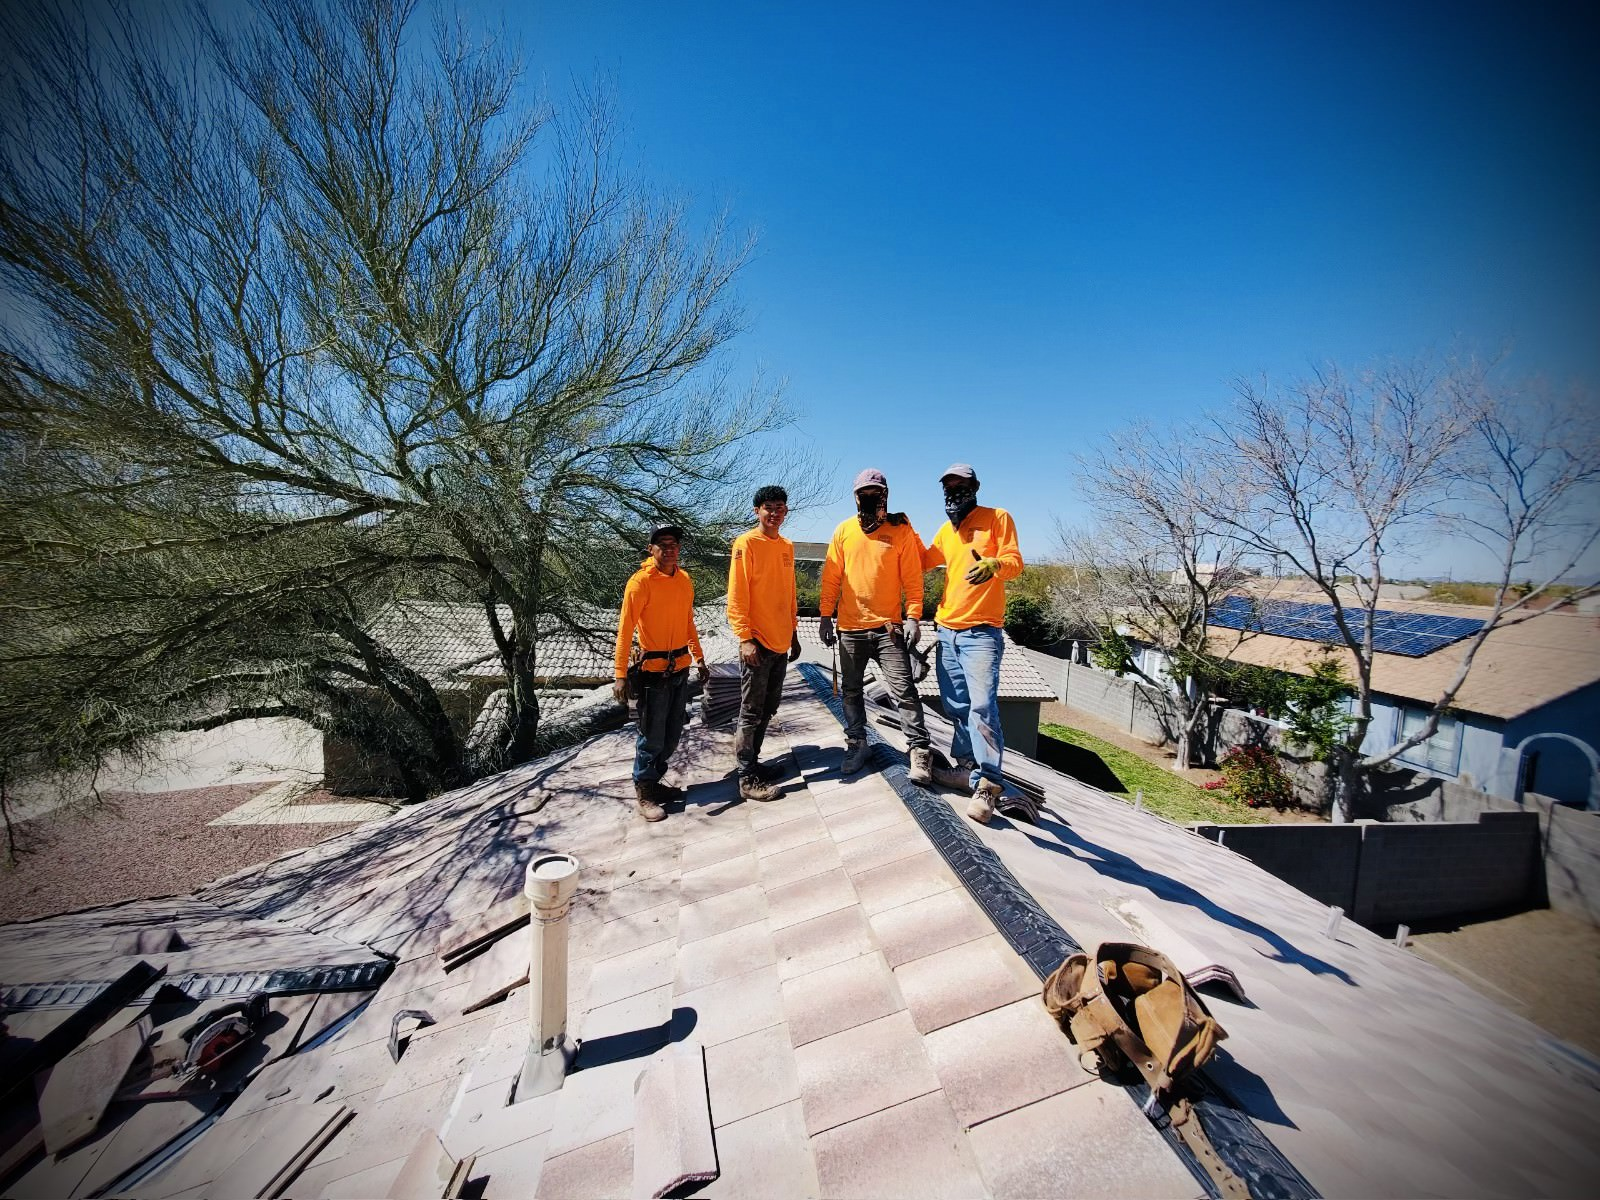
(773, 771)
(752, 787)
(649, 807)
(958, 777)
(667, 794)
(855, 757)
(921, 769)
(983, 801)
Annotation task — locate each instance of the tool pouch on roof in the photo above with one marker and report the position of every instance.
(1130, 1004)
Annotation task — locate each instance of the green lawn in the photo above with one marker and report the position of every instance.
(1165, 793)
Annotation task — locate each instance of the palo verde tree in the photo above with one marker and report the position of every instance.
(307, 308)
(1342, 475)
(1151, 568)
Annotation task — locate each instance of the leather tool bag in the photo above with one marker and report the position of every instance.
(1130, 1004)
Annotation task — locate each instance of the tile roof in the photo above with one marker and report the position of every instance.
(451, 642)
(1518, 669)
(866, 1029)
(1019, 678)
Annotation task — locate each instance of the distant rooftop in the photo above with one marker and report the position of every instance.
(1519, 668)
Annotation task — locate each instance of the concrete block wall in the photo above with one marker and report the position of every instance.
(1126, 703)
(1383, 874)
(1321, 860)
(1572, 860)
(1413, 872)
(1571, 845)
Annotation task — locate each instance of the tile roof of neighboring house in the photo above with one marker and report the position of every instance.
(1519, 668)
(1019, 678)
(451, 641)
(811, 552)
(866, 1030)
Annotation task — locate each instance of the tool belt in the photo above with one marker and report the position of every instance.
(1131, 1005)
(637, 673)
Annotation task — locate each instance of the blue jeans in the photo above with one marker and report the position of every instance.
(663, 702)
(969, 687)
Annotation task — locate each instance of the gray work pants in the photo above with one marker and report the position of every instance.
(760, 689)
(856, 648)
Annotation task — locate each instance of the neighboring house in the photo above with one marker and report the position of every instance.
(452, 646)
(1531, 701)
(1022, 689)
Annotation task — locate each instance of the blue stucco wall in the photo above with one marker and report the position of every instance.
(1562, 772)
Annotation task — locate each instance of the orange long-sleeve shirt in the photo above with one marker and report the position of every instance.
(761, 599)
(866, 575)
(660, 609)
(991, 533)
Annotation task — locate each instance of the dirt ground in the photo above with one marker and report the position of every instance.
(138, 846)
(1542, 964)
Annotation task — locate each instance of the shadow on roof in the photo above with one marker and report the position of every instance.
(1126, 870)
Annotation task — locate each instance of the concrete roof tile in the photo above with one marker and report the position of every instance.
(751, 1074)
(839, 997)
(914, 1149)
(862, 1070)
(967, 979)
(1003, 1059)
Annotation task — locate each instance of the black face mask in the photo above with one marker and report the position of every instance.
(957, 504)
(867, 512)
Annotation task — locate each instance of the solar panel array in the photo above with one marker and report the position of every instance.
(1410, 634)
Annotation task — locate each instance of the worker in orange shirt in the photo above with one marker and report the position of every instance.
(658, 607)
(763, 613)
(872, 578)
(977, 546)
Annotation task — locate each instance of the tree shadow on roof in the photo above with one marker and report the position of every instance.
(443, 861)
(1126, 870)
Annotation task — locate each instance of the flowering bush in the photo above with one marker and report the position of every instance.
(1254, 774)
(1214, 785)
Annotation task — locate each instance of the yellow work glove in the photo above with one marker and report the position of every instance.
(983, 570)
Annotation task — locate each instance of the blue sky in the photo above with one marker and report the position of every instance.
(996, 233)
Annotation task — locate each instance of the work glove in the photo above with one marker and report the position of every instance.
(794, 648)
(702, 673)
(748, 654)
(912, 629)
(983, 570)
(825, 631)
(619, 691)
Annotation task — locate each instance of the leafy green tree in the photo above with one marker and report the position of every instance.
(306, 311)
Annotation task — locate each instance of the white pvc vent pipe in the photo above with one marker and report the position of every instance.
(550, 883)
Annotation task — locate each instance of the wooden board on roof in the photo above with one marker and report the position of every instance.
(79, 1088)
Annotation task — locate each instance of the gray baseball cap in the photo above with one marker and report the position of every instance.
(959, 471)
(871, 477)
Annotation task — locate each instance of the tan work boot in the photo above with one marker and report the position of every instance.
(983, 801)
(855, 757)
(753, 787)
(921, 769)
(649, 807)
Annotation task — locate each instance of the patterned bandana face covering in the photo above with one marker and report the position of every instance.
(958, 502)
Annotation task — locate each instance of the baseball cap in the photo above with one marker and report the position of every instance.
(959, 471)
(662, 531)
(871, 477)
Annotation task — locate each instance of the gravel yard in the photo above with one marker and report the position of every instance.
(138, 846)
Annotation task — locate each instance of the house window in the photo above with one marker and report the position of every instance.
(1441, 753)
